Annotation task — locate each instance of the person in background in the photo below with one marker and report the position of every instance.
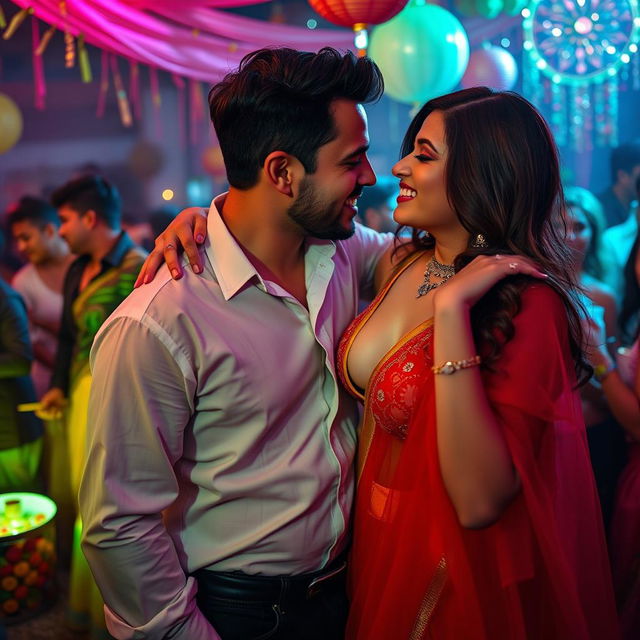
(616, 245)
(97, 281)
(34, 224)
(376, 205)
(584, 224)
(618, 198)
(619, 378)
(20, 432)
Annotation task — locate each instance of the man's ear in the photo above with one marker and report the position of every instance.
(50, 230)
(282, 171)
(90, 218)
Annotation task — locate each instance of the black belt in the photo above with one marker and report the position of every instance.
(240, 586)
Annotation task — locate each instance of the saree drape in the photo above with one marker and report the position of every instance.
(541, 571)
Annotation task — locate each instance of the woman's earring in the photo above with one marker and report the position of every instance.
(479, 242)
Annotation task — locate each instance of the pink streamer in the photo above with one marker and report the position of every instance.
(128, 31)
(39, 86)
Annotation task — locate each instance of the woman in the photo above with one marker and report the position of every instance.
(585, 225)
(476, 513)
(621, 388)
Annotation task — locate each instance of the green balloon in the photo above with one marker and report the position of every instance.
(514, 7)
(422, 53)
(489, 8)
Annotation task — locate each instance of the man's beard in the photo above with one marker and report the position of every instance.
(316, 218)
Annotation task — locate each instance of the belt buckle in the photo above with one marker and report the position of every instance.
(315, 586)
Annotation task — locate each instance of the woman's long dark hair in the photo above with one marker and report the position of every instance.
(503, 181)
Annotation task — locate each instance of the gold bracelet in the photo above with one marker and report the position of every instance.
(451, 366)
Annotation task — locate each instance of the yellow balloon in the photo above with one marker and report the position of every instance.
(10, 123)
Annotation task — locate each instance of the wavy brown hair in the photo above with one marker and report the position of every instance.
(503, 181)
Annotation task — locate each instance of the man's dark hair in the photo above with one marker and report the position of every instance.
(36, 211)
(280, 99)
(90, 192)
(624, 158)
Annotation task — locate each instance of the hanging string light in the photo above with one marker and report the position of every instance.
(579, 48)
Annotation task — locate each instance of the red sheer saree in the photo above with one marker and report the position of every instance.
(541, 571)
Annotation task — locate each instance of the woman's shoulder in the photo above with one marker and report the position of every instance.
(541, 306)
(395, 259)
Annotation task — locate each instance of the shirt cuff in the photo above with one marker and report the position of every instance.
(180, 620)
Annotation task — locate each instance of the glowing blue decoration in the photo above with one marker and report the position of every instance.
(581, 41)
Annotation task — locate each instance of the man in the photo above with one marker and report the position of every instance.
(20, 433)
(376, 205)
(223, 465)
(625, 170)
(96, 283)
(34, 226)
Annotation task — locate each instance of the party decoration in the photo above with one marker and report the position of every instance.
(357, 14)
(10, 123)
(160, 33)
(575, 51)
(422, 52)
(492, 67)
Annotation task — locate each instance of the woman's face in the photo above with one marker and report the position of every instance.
(579, 232)
(422, 202)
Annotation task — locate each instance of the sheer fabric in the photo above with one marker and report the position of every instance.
(541, 571)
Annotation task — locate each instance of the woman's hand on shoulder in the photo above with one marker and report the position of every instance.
(185, 233)
(483, 272)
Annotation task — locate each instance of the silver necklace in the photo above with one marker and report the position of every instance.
(437, 269)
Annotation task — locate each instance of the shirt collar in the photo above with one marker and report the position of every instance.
(230, 265)
(123, 244)
(232, 268)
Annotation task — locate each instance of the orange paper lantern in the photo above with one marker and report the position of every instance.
(348, 13)
(357, 14)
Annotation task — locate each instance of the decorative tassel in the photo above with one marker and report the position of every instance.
(559, 113)
(121, 94)
(104, 84)
(69, 40)
(16, 21)
(45, 40)
(69, 50)
(39, 87)
(83, 58)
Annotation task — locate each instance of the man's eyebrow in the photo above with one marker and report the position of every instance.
(359, 151)
(427, 142)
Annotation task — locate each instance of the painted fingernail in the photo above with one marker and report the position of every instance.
(196, 268)
(175, 274)
(199, 239)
